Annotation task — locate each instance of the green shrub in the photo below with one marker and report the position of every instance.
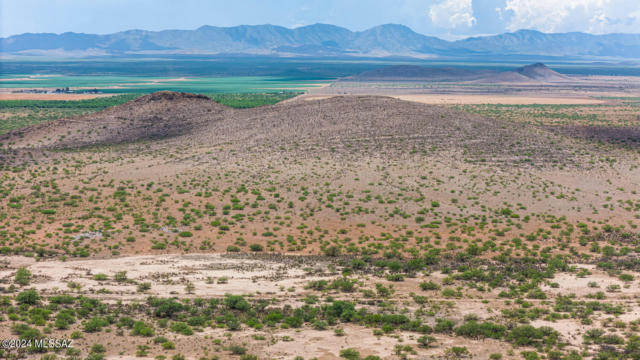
(233, 324)
(166, 308)
(475, 330)
(120, 276)
(332, 251)
(444, 326)
(317, 285)
(395, 277)
(64, 318)
(343, 284)
(98, 349)
(62, 299)
(449, 292)
(23, 276)
(29, 297)
(530, 355)
(429, 285)
(358, 264)
(626, 277)
(196, 321)
(338, 308)
(236, 302)
(181, 328)
(426, 341)
(25, 332)
(350, 354)
(160, 340)
(100, 277)
(95, 324)
(320, 325)
(293, 321)
(144, 286)
(256, 247)
(237, 349)
(141, 329)
(457, 352)
(526, 335)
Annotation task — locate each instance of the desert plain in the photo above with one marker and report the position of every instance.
(369, 218)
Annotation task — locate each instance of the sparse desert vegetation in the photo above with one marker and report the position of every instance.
(354, 227)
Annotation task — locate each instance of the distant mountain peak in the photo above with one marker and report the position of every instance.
(321, 40)
(540, 72)
(320, 26)
(527, 31)
(537, 65)
(391, 27)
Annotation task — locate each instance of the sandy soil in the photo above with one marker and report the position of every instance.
(168, 273)
(440, 99)
(283, 278)
(357, 172)
(580, 90)
(34, 96)
(490, 99)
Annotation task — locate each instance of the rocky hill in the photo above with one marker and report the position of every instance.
(531, 73)
(378, 125)
(155, 116)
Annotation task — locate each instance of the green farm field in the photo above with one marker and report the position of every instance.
(23, 100)
(15, 114)
(147, 84)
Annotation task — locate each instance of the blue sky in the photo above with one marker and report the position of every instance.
(449, 19)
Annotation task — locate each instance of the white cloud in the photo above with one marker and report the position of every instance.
(594, 16)
(452, 14)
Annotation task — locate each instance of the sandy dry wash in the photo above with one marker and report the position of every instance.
(265, 277)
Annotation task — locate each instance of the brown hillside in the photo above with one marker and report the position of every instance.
(505, 77)
(154, 116)
(540, 72)
(345, 126)
(533, 73)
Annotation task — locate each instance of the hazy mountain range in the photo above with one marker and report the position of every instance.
(319, 40)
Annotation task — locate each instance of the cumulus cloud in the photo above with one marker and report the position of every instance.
(593, 16)
(452, 14)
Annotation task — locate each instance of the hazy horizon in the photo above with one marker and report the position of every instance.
(447, 19)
